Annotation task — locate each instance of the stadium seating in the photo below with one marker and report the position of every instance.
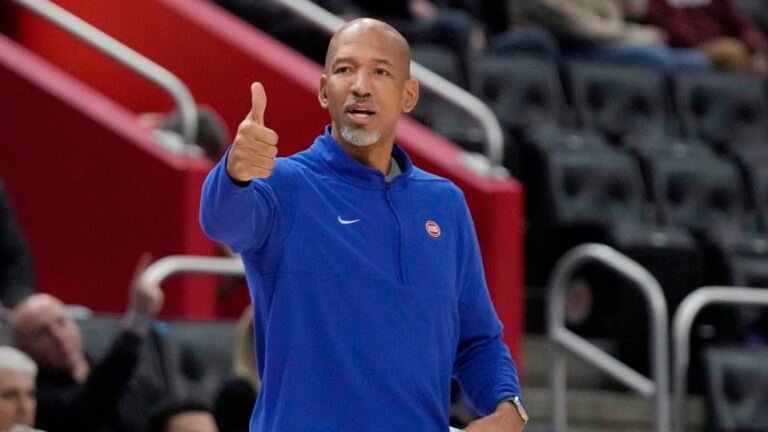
(736, 380)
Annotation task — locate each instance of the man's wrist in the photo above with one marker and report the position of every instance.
(137, 322)
(514, 406)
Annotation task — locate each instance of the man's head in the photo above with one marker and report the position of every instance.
(183, 416)
(367, 82)
(17, 388)
(44, 329)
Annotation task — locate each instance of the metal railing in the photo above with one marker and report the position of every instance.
(681, 333)
(126, 56)
(164, 268)
(464, 100)
(564, 339)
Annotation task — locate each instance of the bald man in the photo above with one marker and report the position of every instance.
(365, 272)
(73, 393)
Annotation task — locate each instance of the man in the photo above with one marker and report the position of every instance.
(600, 30)
(17, 389)
(719, 29)
(364, 271)
(16, 275)
(183, 416)
(74, 394)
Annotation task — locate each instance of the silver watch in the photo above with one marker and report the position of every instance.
(518, 404)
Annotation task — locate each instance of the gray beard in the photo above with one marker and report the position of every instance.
(359, 137)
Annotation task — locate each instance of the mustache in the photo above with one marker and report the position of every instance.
(365, 101)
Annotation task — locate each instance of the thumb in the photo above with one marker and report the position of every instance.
(258, 103)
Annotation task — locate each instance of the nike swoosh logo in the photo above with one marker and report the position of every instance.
(347, 222)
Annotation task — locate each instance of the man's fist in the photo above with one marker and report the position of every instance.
(253, 153)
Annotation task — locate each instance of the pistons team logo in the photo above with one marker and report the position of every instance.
(433, 228)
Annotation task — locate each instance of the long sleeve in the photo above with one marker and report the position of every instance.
(484, 366)
(239, 216)
(92, 405)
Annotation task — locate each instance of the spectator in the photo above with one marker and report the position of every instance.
(718, 28)
(757, 11)
(75, 394)
(17, 389)
(16, 276)
(237, 397)
(183, 416)
(600, 30)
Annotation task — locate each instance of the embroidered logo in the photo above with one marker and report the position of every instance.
(433, 228)
(347, 221)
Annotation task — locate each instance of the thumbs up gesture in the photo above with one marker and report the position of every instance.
(253, 152)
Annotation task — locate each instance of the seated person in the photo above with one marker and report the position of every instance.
(73, 393)
(718, 28)
(17, 390)
(601, 30)
(183, 416)
(16, 276)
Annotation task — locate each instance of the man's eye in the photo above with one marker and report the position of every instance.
(343, 69)
(383, 72)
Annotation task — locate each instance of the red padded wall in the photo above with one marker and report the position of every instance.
(218, 56)
(69, 157)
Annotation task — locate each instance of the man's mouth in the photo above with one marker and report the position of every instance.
(360, 114)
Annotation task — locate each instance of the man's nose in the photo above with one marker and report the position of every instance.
(361, 87)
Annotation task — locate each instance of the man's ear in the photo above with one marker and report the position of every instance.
(411, 95)
(322, 94)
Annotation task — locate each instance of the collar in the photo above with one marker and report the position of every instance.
(346, 167)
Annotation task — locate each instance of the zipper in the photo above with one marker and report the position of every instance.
(399, 246)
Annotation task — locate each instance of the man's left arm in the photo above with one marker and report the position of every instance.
(483, 366)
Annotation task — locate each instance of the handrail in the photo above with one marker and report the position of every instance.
(166, 267)
(145, 67)
(563, 339)
(464, 100)
(690, 307)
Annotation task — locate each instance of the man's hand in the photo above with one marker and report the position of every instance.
(504, 419)
(253, 152)
(146, 299)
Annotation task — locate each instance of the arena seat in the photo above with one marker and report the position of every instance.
(524, 92)
(433, 111)
(617, 101)
(203, 354)
(736, 379)
(726, 110)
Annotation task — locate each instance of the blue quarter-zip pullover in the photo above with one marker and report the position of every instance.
(368, 295)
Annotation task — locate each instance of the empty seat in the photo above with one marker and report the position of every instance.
(433, 111)
(619, 100)
(736, 382)
(203, 353)
(698, 190)
(726, 110)
(524, 92)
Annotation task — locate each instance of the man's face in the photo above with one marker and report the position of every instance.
(193, 421)
(46, 331)
(366, 84)
(17, 399)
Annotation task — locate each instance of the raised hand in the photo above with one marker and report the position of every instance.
(255, 147)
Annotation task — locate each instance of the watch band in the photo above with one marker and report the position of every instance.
(518, 404)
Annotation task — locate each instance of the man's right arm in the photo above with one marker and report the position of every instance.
(233, 209)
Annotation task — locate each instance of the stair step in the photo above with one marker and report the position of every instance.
(580, 374)
(604, 410)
